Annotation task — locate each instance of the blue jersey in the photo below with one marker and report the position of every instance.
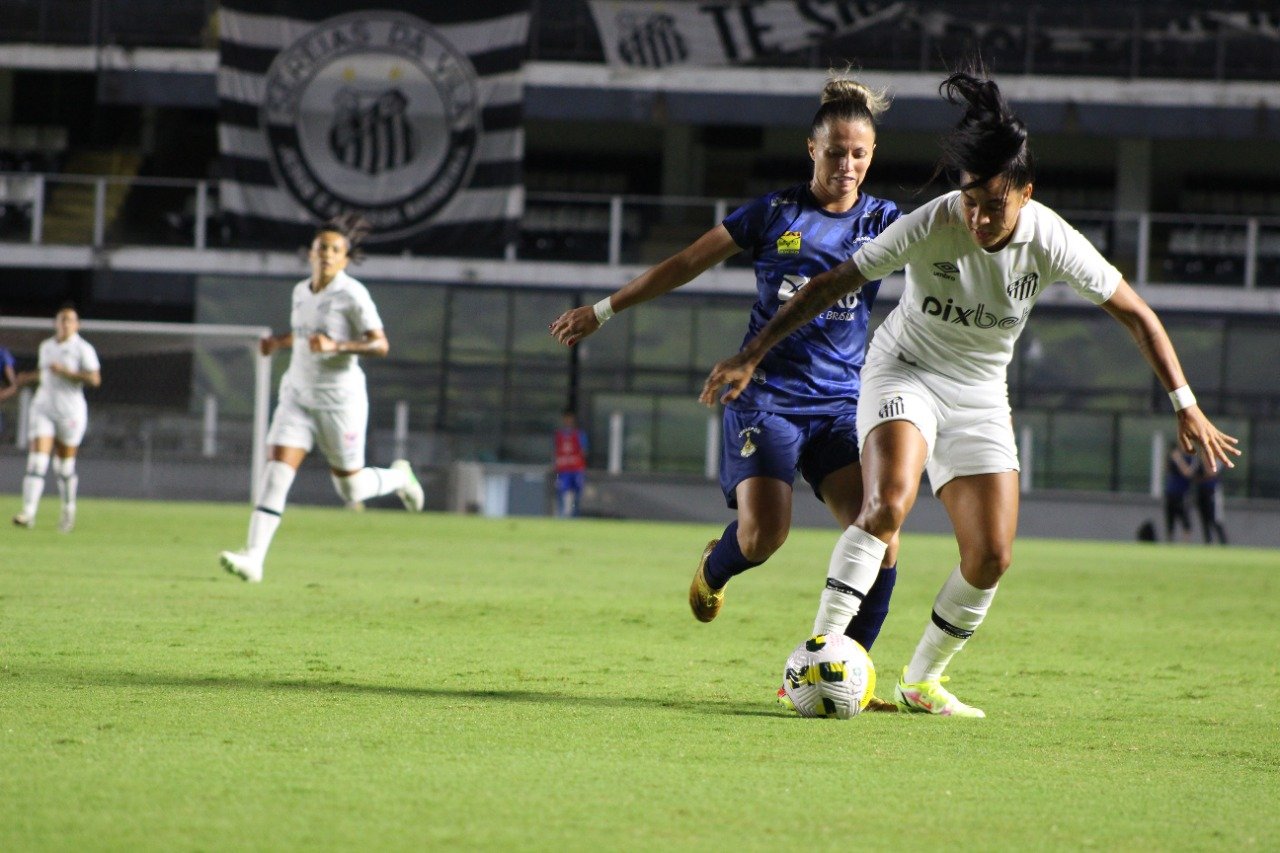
(817, 368)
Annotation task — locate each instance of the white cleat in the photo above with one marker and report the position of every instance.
(22, 520)
(67, 522)
(241, 564)
(411, 495)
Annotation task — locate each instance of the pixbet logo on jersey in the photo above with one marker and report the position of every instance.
(980, 317)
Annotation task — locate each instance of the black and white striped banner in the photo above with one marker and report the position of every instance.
(409, 114)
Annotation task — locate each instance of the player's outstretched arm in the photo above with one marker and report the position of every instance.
(271, 343)
(1195, 430)
(374, 343)
(683, 267)
(812, 299)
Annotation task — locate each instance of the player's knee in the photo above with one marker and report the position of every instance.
(989, 563)
(883, 512)
(760, 542)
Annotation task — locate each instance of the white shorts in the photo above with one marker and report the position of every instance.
(65, 423)
(339, 433)
(967, 426)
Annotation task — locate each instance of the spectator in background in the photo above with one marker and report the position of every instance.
(1209, 503)
(571, 465)
(58, 417)
(9, 377)
(1179, 472)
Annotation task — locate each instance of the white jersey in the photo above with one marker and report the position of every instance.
(57, 393)
(964, 307)
(344, 311)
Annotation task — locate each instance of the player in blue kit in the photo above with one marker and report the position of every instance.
(800, 409)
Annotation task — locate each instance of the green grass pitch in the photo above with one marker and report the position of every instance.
(442, 682)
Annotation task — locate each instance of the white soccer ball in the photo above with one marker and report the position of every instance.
(829, 676)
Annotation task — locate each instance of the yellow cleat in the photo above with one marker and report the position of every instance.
(704, 601)
(930, 697)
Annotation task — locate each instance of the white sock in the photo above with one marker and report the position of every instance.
(68, 481)
(276, 480)
(855, 565)
(369, 483)
(957, 612)
(33, 482)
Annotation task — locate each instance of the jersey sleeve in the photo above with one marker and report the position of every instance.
(897, 244)
(1079, 263)
(746, 224)
(364, 314)
(89, 358)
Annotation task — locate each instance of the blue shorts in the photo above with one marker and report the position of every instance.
(569, 481)
(768, 444)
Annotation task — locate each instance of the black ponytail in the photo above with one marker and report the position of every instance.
(989, 140)
(353, 227)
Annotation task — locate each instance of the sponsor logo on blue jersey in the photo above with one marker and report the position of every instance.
(845, 308)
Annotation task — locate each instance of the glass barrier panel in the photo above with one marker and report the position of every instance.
(1078, 451)
(637, 411)
(564, 227)
(1268, 255)
(145, 213)
(18, 194)
(680, 435)
(656, 228)
(1197, 252)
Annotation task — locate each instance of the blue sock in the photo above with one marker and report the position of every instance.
(726, 559)
(867, 622)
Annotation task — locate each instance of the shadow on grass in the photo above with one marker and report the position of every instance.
(338, 687)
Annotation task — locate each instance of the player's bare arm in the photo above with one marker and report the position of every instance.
(92, 378)
(271, 343)
(710, 249)
(812, 299)
(1195, 430)
(374, 343)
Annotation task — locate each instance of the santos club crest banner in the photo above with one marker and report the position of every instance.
(408, 114)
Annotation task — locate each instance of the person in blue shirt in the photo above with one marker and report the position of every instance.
(1179, 472)
(800, 409)
(1208, 485)
(8, 378)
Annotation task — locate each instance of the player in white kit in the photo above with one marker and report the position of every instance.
(58, 416)
(934, 389)
(323, 401)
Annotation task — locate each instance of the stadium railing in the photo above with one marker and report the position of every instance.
(1241, 251)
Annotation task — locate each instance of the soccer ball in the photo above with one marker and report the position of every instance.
(829, 676)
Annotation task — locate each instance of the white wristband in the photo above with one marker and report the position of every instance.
(604, 310)
(1182, 398)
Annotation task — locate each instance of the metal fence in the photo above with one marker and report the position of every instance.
(101, 211)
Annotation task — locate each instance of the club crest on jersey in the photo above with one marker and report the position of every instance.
(1025, 287)
(748, 447)
(892, 407)
(789, 243)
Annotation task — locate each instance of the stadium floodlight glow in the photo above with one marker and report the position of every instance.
(209, 344)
